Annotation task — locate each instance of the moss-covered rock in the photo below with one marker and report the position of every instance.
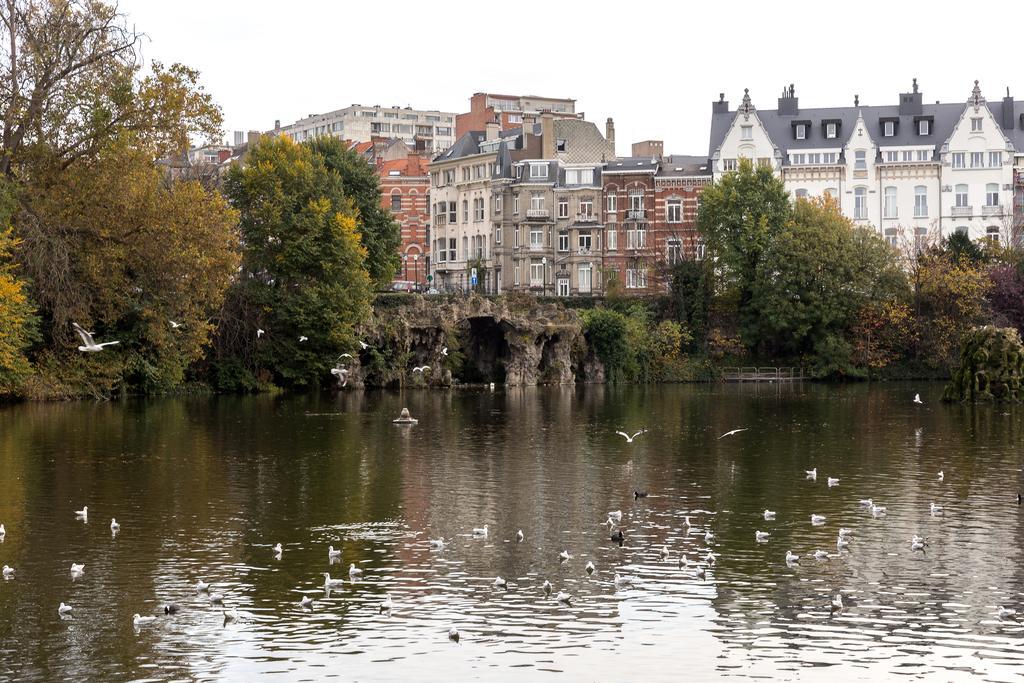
(991, 367)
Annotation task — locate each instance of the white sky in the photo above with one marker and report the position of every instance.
(653, 67)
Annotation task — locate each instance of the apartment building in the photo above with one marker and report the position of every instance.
(405, 191)
(913, 171)
(424, 129)
(508, 111)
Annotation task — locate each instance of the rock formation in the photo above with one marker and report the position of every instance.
(991, 367)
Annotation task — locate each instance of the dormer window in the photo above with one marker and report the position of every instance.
(889, 129)
(924, 127)
(538, 170)
(831, 130)
(801, 131)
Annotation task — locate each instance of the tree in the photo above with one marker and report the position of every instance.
(812, 280)
(303, 271)
(380, 234)
(691, 291)
(1006, 294)
(606, 331)
(17, 323)
(740, 215)
(949, 300)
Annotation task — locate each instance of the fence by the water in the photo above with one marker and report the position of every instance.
(752, 374)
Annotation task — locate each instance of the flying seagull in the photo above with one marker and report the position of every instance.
(88, 345)
(341, 374)
(917, 399)
(363, 345)
(174, 325)
(421, 368)
(444, 351)
(345, 355)
(629, 439)
(734, 431)
(303, 338)
(259, 332)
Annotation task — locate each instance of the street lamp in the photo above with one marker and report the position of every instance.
(544, 276)
(415, 268)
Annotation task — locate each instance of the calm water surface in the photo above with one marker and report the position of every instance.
(203, 488)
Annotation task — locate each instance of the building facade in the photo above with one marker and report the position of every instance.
(508, 111)
(405, 191)
(915, 172)
(425, 129)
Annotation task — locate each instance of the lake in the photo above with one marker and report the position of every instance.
(204, 488)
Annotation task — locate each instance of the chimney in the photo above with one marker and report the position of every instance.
(652, 149)
(609, 135)
(492, 130)
(277, 124)
(1008, 117)
(547, 131)
(721, 106)
(252, 137)
(911, 103)
(239, 138)
(788, 103)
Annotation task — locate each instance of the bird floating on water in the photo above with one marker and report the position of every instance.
(917, 543)
(761, 536)
(821, 555)
(519, 536)
(942, 475)
(618, 537)
(171, 608)
(564, 598)
(83, 514)
(791, 557)
(139, 620)
(547, 587)
(500, 583)
(614, 517)
(3, 531)
(354, 572)
(623, 580)
(202, 586)
(639, 494)
(332, 583)
(917, 399)
(664, 552)
(769, 515)
(8, 572)
(306, 602)
(708, 536)
(64, 609)
(480, 531)
(936, 509)
(843, 531)
(710, 558)
(216, 599)
(114, 526)
(628, 438)
(437, 543)
(590, 568)
(841, 543)
(278, 549)
(88, 344)
(453, 634)
(1006, 612)
(564, 556)
(833, 481)
(866, 502)
(385, 606)
(702, 572)
(77, 569)
(817, 519)
(230, 616)
(733, 432)
(333, 554)
(405, 418)
(837, 603)
(812, 474)
(878, 510)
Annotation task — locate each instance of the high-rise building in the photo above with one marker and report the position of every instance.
(428, 130)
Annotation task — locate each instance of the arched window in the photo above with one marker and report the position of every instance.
(889, 209)
(992, 233)
(396, 200)
(860, 203)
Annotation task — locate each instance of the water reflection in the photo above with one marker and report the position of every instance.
(205, 488)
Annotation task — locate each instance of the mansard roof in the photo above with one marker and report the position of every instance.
(944, 117)
(467, 145)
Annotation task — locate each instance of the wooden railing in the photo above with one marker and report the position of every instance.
(752, 374)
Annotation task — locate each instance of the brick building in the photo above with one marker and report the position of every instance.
(629, 206)
(673, 235)
(405, 187)
(508, 111)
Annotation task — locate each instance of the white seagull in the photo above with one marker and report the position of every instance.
(837, 603)
(841, 543)
(623, 580)
(878, 510)
(867, 502)
(306, 602)
(174, 325)
(3, 532)
(202, 586)
(812, 474)
(64, 609)
(437, 543)
(664, 551)
(333, 554)
(139, 620)
(421, 368)
(354, 572)
(88, 345)
(1004, 612)
(444, 351)
(547, 587)
(385, 606)
(8, 572)
(519, 536)
(833, 481)
(453, 634)
(480, 531)
(942, 475)
(341, 374)
(564, 556)
(761, 536)
(332, 583)
(791, 557)
(936, 509)
(732, 432)
(769, 515)
(590, 568)
(363, 345)
(917, 399)
(817, 519)
(77, 569)
(303, 338)
(564, 597)
(708, 536)
(83, 514)
(345, 355)
(629, 439)
(500, 583)
(843, 531)
(277, 551)
(259, 332)
(114, 526)
(615, 516)
(821, 555)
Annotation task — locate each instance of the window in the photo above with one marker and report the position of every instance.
(920, 201)
(498, 201)
(892, 237)
(519, 172)
(587, 207)
(563, 241)
(889, 129)
(801, 193)
(995, 159)
(924, 127)
(830, 130)
(860, 160)
(958, 160)
(636, 278)
(515, 203)
(453, 212)
(563, 286)
(465, 211)
(465, 248)
(728, 165)
(536, 274)
(977, 159)
(636, 239)
(611, 201)
(584, 278)
(585, 242)
(452, 244)
(497, 234)
(860, 203)
(814, 158)
(924, 155)
(612, 237)
(674, 211)
(538, 170)
(563, 207)
(747, 132)
(889, 209)
(992, 194)
(960, 196)
(396, 201)
(892, 156)
(920, 238)
(536, 201)
(673, 250)
(829, 157)
(516, 243)
(478, 209)
(975, 124)
(992, 233)
(797, 159)
(801, 132)
(515, 275)
(636, 201)
(536, 238)
(579, 176)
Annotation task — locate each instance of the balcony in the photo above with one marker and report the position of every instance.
(537, 247)
(584, 251)
(537, 214)
(963, 211)
(993, 210)
(586, 218)
(636, 214)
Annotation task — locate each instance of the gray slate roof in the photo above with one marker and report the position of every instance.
(632, 165)
(684, 165)
(945, 117)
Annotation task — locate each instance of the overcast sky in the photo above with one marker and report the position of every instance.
(653, 67)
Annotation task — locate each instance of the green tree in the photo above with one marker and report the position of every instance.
(303, 271)
(691, 291)
(606, 332)
(17, 322)
(380, 233)
(740, 215)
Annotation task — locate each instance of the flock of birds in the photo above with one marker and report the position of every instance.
(699, 568)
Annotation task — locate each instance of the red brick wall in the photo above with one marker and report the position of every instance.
(413, 218)
(624, 258)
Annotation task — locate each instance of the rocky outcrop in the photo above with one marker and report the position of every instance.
(512, 340)
(991, 367)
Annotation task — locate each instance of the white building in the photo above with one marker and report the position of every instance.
(914, 171)
(435, 129)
